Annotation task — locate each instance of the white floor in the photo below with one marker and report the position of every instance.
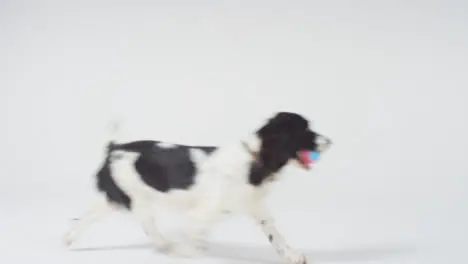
(372, 235)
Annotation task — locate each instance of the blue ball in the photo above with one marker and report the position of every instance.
(314, 155)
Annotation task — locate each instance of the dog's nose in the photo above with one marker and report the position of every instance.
(324, 143)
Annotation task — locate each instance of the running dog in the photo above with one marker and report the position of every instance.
(207, 182)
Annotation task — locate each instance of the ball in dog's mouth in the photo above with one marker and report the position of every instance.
(307, 158)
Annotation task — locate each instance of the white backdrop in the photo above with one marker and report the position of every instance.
(386, 80)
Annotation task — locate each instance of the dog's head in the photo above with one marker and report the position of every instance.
(285, 136)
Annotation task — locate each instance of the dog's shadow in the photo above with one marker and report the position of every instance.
(265, 254)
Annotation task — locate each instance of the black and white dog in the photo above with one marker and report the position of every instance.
(206, 182)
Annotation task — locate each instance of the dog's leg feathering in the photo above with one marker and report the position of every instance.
(144, 215)
(99, 210)
(262, 216)
(200, 219)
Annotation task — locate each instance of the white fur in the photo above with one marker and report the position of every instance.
(221, 185)
(166, 145)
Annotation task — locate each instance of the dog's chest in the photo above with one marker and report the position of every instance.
(240, 200)
(225, 179)
(234, 195)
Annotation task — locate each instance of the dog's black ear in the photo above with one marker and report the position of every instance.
(273, 155)
(275, 151)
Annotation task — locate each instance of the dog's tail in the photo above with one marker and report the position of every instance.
(113, 133)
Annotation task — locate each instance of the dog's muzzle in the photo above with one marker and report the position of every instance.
(323, 143)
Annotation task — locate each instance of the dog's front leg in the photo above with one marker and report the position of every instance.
(262, 216)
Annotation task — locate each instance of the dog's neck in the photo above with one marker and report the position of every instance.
(252, 145)
(259, 173)
(253, 151)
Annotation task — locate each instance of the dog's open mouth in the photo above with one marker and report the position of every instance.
(307, 158)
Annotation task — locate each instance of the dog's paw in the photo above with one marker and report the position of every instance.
(164, 247)
(201, 244)
(184, 250)
(297, 258)
(68, 239)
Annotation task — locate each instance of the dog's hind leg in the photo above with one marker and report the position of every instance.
(98, 210)
(143, 213)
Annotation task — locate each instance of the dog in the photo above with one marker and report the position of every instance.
(206, 182)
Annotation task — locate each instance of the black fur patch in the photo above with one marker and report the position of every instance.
(161, 168)
(107, 185)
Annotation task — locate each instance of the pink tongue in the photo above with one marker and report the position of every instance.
(305, 157)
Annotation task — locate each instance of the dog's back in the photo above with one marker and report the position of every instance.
(158, 165)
